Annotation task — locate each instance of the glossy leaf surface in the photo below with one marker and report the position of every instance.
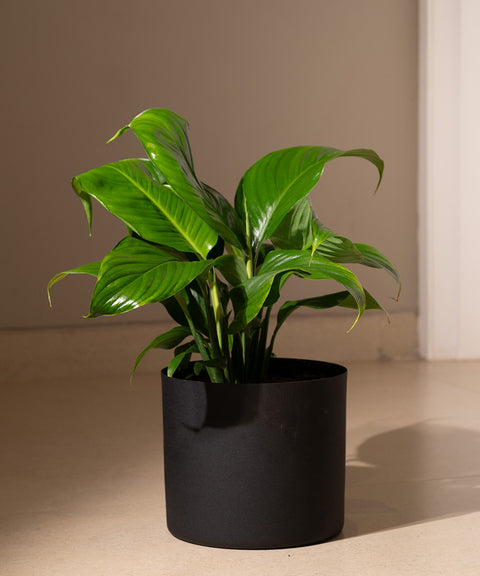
(273, 185)
(129, 190)
(295, 230)
(136, 273)
(218, 269)
(164, 136)
(251, 295)
(300, 228)
(339, 249)
(343, 299)
(375, 259)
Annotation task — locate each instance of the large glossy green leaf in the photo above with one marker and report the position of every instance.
(273, 185)
(164, 136)
(249, 298)
(375, 259)
(130, 190)
(92, 269)
(135, 273)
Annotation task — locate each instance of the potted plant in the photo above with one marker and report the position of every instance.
(254, 445)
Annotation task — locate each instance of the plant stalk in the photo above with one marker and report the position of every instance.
(214, 373)
(263, 358)
(217, 309)
(249, 263)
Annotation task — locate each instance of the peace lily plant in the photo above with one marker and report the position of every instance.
(218, 269)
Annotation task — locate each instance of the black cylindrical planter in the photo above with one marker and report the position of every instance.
(257, 465)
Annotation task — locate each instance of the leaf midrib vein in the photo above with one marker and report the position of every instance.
(176, 225)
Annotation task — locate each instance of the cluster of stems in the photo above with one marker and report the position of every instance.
(227, 358)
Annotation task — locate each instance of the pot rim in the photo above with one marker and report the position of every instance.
(334, 370)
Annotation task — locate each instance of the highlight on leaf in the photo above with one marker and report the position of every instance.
(219, 268)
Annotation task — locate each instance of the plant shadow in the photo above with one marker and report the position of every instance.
(410, 475)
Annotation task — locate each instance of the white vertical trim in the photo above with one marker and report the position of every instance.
(449, 183)
(438, 178)
(469, 253)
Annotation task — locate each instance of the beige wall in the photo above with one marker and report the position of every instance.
(249, 75)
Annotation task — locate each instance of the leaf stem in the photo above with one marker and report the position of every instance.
(217, 307)
(263, 358)
(248, 240)
(217, 326)
(214, 373)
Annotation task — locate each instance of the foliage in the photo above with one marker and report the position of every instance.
(218, 268)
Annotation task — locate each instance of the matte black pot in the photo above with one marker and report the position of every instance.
(257, 465)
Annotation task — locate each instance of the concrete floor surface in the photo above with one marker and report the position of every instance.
(82, 481)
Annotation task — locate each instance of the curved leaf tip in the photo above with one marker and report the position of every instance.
(85, 199)
(92, 269)
(118, 133)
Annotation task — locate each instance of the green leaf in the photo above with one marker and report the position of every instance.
(295, 230)
(194, 305)
(166, 341)
(222, 216)
(136, 273)
(130, 190)
(197, 308)
(182, 356)
(93, 269)
(273, 185)
(86, 201)
(320, 233)
(301, 229)
(375, 259)
(340, 249)
(343, 299)
(175, 311)
(249, 298)
(164, 136)
(201, 365)
(233, 269)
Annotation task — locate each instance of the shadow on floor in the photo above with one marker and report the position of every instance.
(68, 446)
(422, 472)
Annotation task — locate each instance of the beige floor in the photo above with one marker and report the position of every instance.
(81, 481)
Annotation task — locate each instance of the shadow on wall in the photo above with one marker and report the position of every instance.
(415, 474)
